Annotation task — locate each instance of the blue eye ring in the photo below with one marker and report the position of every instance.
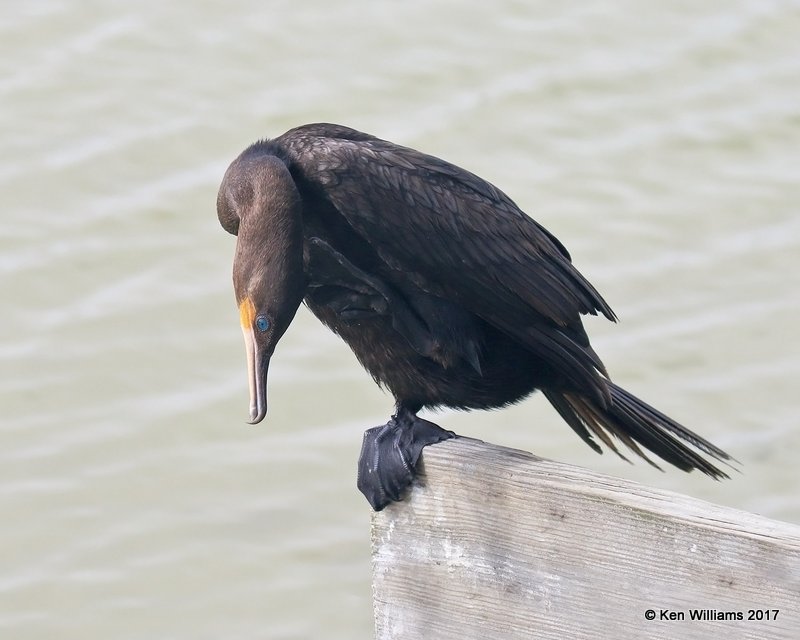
(262, 323)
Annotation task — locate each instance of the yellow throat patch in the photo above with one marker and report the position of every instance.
(247, 312)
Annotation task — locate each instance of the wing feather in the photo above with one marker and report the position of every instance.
(453, 233)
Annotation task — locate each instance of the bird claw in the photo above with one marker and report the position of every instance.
(389, 456)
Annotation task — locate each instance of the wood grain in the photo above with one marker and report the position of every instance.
(497, 543)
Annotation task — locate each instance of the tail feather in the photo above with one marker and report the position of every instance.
(634, 423)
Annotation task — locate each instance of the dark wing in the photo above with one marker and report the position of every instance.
(457, 236)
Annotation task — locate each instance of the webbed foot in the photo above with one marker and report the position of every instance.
(389, 456)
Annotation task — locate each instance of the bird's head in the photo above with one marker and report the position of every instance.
(259, 202)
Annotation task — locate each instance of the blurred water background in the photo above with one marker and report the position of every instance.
(659, 141)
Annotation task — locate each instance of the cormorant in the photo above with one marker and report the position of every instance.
(447, 293)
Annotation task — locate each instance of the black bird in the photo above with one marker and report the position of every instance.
(447, 293)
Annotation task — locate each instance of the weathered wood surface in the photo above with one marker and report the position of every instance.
(496, 543)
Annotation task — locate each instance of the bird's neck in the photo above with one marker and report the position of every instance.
(271, 227)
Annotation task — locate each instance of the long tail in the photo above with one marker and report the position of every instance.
(634, 422)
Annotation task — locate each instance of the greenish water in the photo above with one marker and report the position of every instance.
(659, 142)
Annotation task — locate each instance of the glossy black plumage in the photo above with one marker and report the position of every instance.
(447, 293)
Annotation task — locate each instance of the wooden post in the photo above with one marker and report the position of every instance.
(497, 543)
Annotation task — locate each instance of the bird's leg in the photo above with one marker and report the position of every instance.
(389, 456)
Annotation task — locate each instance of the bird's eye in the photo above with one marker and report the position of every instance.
(262, 323)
